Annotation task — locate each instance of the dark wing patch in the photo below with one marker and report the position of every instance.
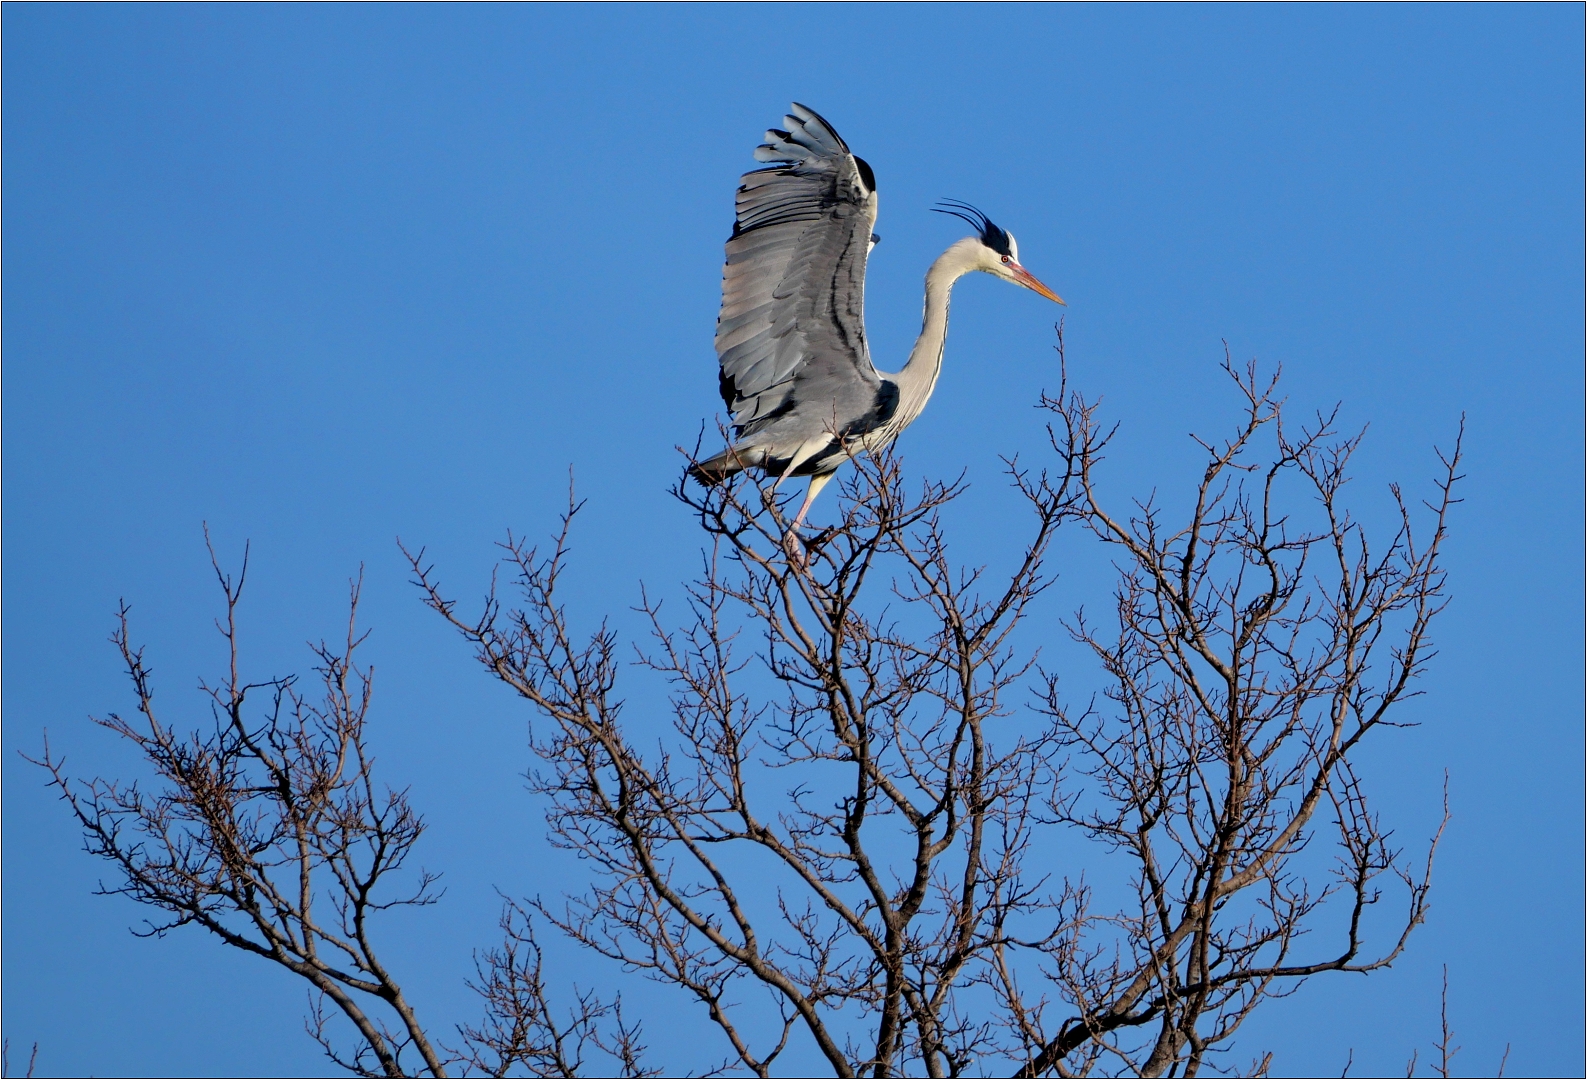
(865, 173)
(881, 411)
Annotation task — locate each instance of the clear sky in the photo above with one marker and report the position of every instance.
(323, 276)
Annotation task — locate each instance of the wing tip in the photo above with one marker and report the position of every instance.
(809, 136)
(810, 114)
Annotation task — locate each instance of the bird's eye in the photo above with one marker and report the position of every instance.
(1006, 260)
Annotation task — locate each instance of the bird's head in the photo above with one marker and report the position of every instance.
(993, 250)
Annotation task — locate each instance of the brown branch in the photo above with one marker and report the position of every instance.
(1244, 680)
(255, 815)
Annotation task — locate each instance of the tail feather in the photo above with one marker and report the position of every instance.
(713, 471)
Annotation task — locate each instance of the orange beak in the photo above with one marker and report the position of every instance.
(1027, 279)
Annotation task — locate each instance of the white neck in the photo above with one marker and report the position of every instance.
(919, 376)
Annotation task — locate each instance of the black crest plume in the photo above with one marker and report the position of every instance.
(992, 236)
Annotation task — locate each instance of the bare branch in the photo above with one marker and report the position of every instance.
(266, 827)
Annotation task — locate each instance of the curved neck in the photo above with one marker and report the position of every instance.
(919, 376)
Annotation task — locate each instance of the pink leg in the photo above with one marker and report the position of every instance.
(790, 541)
(793, 461)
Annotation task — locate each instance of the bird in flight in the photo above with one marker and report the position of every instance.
(796, 370)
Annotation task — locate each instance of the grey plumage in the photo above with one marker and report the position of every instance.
(796, 372)
(791, 335)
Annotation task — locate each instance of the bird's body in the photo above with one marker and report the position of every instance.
(796, 370)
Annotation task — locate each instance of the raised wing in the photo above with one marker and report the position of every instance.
(793, 289)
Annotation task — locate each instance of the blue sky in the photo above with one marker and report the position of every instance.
(325, 276)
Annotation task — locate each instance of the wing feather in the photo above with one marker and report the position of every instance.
(793, 285)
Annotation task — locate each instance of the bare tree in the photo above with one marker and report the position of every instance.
(843, 812)
(266, 826)
(522, 1034)
(837, 803)
(267, 829)
(1256, 642)
(895, 840)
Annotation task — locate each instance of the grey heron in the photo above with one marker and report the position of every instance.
(796, 371)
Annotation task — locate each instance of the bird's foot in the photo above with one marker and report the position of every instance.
(795, 548)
